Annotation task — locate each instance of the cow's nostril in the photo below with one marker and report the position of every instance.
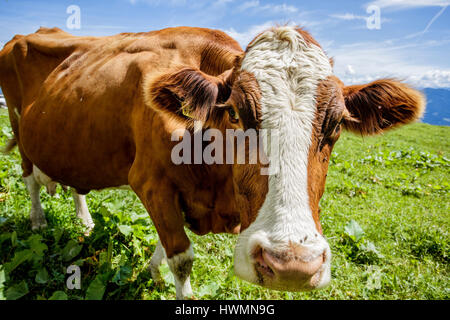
(260, 263)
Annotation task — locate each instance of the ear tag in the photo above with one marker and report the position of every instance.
(185, 110)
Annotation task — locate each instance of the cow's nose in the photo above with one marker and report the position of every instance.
(296, 266)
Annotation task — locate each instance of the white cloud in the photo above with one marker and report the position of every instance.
(246, 36)
(348, 16)
(431, 79)
(248, 5)
(256, 6)
(407, 4)
(367, 61)
(350, 70)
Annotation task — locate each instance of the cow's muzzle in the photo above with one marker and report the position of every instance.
(295, 269)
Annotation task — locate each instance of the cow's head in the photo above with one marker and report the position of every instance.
(285, 82)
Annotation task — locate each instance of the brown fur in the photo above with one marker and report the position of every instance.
(84, 99)
(382, 104)
(326, 131)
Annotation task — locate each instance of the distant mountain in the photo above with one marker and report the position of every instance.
(438, 106)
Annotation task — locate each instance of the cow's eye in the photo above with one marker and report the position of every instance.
(234, 117)
(338, 127)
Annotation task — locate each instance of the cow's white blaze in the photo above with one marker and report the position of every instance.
(288, 70)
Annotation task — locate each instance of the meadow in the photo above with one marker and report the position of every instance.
(385, 213)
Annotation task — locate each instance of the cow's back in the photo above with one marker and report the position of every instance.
(26, 62)
(80, 97)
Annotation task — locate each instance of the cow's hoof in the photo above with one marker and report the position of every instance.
(37, 217)
(39, 224)
(89, 227)
(186, 297)
(156, 276)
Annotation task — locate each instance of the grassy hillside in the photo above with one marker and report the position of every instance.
(385, 213)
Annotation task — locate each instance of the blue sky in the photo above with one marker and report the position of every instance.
(412, 43)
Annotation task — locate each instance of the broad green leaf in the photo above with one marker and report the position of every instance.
(2, 276)
(57, 234)
(126, 230)
(96, 289)
(209, 289)
(2, 281)
(354, 231)
(71, 250)
(104, 211)
(19, 258)
(36, 245)
(122, 275)
(42, 276)
(58, 295)
(17, 291)
(5, 236)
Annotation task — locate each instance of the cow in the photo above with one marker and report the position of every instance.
(103, 112)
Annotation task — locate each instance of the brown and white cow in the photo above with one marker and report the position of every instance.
(94, 113)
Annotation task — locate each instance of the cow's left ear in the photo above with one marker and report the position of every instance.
(187, 93)
(381, 105)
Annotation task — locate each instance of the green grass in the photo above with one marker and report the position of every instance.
(385, 212)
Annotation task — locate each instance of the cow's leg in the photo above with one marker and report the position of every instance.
(37, 215)
(181, 266)
(162, 204)
(157, 259)
(82, 210)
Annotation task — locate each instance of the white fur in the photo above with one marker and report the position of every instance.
(82, 210)
(44, 180)
(37, 215)
(182, 281)
(288, 71)
(157, 259)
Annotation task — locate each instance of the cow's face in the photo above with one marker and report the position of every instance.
(284, 83)
(282, 247)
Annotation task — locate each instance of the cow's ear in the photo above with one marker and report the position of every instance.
(187, 93)
(381, 105)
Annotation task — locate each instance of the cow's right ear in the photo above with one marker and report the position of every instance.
(187, 93)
